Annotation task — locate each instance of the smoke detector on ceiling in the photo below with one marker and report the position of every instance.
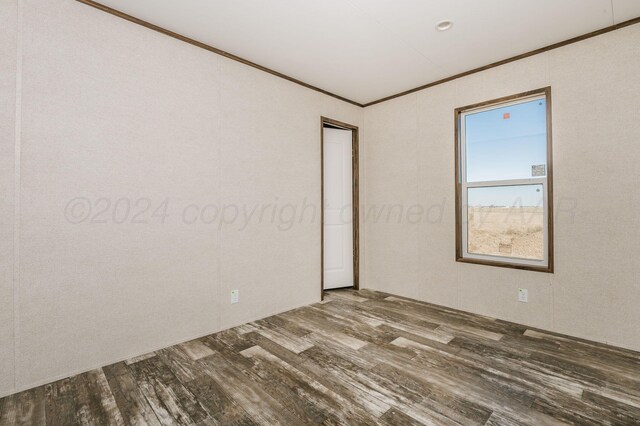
(444, 25)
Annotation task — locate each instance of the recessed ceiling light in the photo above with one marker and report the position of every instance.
(444, 25)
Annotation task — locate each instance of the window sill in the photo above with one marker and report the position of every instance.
(546, 269)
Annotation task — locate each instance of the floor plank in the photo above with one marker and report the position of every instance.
(358, 358)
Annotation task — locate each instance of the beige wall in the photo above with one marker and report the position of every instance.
(595, 291)
(8, 64)
(110, 109)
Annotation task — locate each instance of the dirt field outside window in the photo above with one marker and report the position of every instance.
(506, 231)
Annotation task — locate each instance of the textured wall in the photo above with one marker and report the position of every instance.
(113, 110)
(8, 64)
(595, 291)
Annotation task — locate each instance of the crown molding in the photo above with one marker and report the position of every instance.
(213, 49)
(325, 92)
(511, 59)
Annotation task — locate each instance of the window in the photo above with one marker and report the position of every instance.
(503, 182)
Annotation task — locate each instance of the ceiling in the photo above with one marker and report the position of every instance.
(365, 50)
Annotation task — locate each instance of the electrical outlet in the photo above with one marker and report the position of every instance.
(235, 296)
(523, 295)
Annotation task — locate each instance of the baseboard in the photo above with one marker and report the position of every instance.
(578, 337)
(84, 370)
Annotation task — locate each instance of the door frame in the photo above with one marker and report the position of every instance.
(355, 201)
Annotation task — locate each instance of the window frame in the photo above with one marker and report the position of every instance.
(461, 187)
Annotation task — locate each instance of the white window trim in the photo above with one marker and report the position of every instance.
(464, 186)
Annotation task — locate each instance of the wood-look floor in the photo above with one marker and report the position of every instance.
(358, 358)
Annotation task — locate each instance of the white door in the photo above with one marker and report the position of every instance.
(338, 208)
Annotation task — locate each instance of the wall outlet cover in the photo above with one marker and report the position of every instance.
(235, 296)
(523, 295)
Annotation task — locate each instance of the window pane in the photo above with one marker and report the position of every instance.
(507, 143)
(506, 221)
